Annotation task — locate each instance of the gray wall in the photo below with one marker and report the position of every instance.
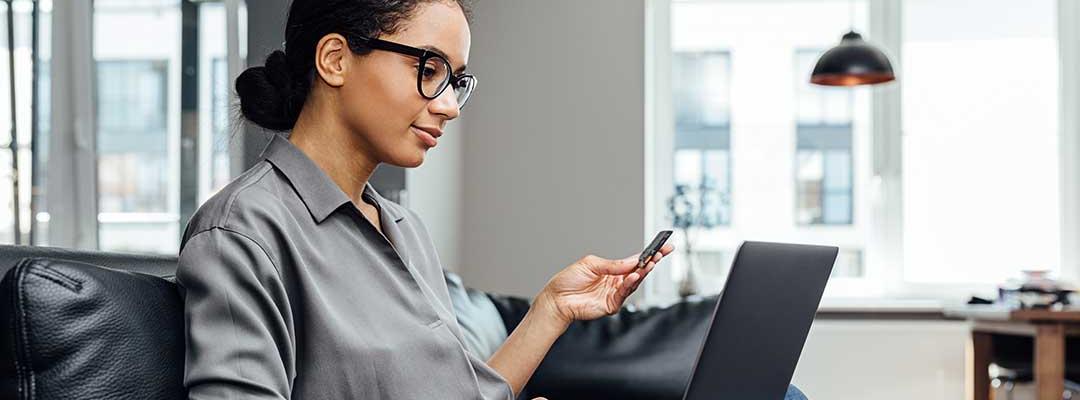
(553, 139)
(266, 31)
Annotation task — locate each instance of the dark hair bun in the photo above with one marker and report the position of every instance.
(266, 94)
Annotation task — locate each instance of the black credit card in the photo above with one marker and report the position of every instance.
(653, 247)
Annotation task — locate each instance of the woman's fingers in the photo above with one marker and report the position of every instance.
(666, 249)
(641, 273)
(622, 266)
(644, 273)
(628, 285)
(647, 269)
(609, 267)
(632, 280)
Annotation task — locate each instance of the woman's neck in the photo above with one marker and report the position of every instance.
(336, 151)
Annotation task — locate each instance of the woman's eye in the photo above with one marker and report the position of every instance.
(427, 72)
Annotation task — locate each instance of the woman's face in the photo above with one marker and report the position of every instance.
(379, 97)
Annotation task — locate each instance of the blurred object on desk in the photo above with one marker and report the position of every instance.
(1035, 289)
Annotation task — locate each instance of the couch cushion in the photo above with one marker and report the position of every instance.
(480, 322)
(76, 330)
(634, 354)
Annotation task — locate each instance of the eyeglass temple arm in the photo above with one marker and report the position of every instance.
(395, 47)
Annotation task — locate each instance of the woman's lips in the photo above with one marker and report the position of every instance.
(424, 136)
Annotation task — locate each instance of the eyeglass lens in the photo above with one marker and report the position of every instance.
(435, 76)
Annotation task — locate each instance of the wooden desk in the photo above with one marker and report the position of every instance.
(1049, 328)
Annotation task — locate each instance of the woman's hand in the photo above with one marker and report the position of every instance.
(594, 287)
(590, 288)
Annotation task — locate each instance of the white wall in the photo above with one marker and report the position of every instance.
(883, 360)
(553, 140)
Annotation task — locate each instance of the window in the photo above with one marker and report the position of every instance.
(789, 161)
(134, 160)
(941, 189)
(220, 161)
(823, 157)
(138, 124)
(160, 102)
(162, 118)
(36, 210)
(16, 184)
(132, 137)
(702, 166)
(218, 156)
(981, 169)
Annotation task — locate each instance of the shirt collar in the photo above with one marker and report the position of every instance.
(318, 192)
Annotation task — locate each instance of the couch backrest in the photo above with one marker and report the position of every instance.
(79, 324)
(164, 266)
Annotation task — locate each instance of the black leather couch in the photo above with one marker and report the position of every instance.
(95, 325)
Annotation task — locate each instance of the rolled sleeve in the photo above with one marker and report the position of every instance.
(237, 320)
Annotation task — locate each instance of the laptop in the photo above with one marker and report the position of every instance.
(761, 321)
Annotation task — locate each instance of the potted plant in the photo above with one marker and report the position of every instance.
(702, 207)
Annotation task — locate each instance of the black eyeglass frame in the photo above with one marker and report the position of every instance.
(424, 55)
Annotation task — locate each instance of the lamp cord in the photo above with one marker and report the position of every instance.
(851, 15)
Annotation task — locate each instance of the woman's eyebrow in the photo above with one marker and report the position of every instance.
(442, 54)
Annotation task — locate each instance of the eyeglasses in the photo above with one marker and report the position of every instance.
(433, 74)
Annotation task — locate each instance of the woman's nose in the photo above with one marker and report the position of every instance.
(446, 104)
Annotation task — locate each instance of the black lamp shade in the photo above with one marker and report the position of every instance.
(853, 62)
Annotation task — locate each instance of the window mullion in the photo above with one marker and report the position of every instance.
(885, 258)
(1069, 55)
(234, 60)
(72, 169)
(659, 138)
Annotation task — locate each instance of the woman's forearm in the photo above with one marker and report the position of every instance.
(527, 345)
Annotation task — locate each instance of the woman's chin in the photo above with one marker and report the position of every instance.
(411, 160)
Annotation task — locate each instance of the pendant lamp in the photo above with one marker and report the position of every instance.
(853, 62)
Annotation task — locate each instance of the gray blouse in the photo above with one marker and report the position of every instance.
(290, 293)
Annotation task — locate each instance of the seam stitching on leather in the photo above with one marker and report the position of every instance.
(53, 279)
(55, 276)
(25, 329)
(16, 326)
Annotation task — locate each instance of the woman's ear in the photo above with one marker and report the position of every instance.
(330, 61)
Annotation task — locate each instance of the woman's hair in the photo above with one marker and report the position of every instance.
(272, 95)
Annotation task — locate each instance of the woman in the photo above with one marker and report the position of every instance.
(301, 281)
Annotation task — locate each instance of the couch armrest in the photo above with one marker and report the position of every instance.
(634, 354)
(71, 330)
